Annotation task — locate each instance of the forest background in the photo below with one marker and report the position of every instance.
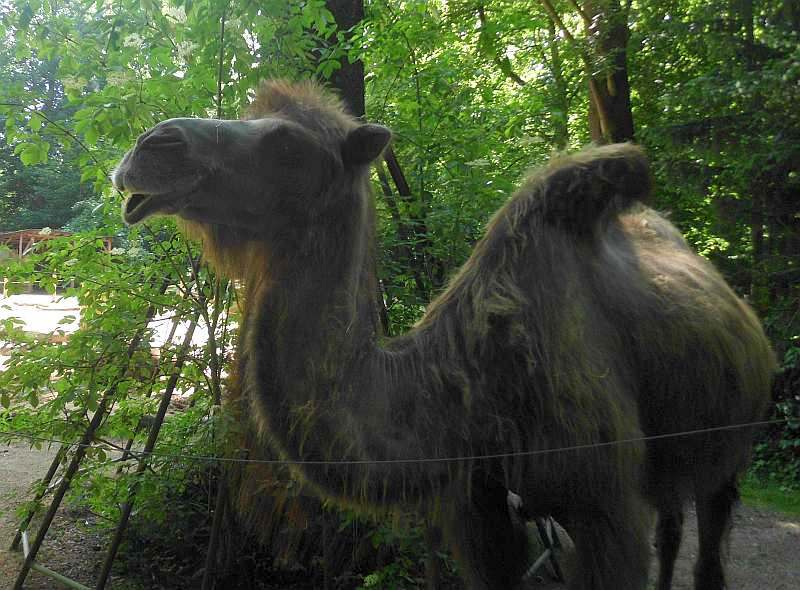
(476, 92)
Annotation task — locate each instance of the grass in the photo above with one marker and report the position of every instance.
(769, 494)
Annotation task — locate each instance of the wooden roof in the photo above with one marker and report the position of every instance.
(22, 240)
(13, 237)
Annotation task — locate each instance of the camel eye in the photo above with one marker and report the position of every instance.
(291, 153)
(286, 147)
(291, 157)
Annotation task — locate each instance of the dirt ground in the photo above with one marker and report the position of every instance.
(764, 549)
(71, 548)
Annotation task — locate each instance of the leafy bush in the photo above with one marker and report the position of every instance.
(777, 452)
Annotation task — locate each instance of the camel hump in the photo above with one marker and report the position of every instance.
(582, 191)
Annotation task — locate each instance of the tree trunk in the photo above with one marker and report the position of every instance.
(349, 79)
(757, 294)
(560, 115)
(742, 24)
(610, 116)
(349, 82)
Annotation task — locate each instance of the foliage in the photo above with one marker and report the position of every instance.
(50, 389)
(777, 451)
(406, 569)
(49, 195)
(767, 494)
(475, 93)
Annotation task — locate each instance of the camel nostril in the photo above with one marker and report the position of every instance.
(159, 141)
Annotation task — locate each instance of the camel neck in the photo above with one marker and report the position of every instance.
(309, 342)
(322, 387)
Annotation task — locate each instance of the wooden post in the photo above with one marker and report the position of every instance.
(397, 173)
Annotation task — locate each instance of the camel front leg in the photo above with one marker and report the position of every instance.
(490, 548)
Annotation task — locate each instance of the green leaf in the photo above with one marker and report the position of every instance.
(35, 122)
(90, 135)
(29, 154)
(87, 174)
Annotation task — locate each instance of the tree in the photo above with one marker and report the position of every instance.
(51, 194)
(605, 61)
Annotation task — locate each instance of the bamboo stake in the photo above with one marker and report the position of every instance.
(209, 573)
(127, 507)
(47, 571)
(222, 488)
(80, 452)
(26, 520)
(126, 452)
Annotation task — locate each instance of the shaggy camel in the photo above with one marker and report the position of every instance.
(581, 318)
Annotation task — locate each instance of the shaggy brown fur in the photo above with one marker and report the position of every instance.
(582, 318)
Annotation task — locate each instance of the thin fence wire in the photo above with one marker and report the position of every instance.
(351, 462)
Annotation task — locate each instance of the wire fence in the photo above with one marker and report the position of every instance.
(352, 462)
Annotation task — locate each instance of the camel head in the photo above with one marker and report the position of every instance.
(281, 167)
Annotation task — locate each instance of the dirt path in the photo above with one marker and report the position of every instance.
(70, 548)
(764, 550)
(764, 553)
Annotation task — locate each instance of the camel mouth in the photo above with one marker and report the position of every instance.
(139, 206)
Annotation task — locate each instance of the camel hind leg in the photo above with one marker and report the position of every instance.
(714, 513)
(665, 495)
(612, 549)
(669, 531)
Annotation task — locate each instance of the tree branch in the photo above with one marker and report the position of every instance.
(221, 60)
(587, 22)
(504, 65)
(551, 12)
(60, 128)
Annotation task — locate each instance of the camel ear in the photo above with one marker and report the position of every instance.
(363, 144)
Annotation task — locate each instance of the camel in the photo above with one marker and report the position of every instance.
(582, 321)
